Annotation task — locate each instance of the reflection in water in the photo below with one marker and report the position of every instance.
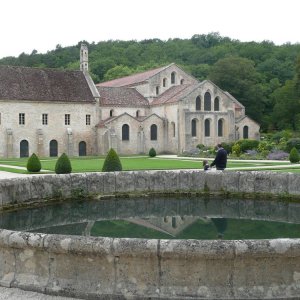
(221, 225)
(194, 217)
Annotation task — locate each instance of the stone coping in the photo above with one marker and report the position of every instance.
(113, 268)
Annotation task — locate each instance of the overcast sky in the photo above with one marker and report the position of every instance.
(42, 24)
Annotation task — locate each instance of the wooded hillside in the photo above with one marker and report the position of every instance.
(263, 76)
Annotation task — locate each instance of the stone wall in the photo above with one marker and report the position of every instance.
(112, 268)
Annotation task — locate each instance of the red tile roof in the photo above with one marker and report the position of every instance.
(132, 79)
(119, 96)
(174, 94)
(22, 83)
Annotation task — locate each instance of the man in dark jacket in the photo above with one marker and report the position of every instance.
(221, 158)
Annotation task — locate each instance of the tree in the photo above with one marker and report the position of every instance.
(112, 162)
(63, 165)
(238, 76)
(287, 107)
(117, 72)
(33, 163)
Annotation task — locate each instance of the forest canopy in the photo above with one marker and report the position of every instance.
(263, 76)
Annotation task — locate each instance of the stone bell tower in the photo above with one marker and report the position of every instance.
(84, 58)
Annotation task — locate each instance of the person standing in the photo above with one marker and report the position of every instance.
(221, 158)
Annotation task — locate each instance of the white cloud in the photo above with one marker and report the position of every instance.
(42, 24)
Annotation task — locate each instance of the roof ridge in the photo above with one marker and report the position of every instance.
(38, 68)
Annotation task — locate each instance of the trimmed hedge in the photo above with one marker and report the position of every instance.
(112, 162)
(33, 163)
(63, 165)
(294, 156)
(152, 152)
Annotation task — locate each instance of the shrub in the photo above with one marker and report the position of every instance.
(63, 165)
(227, 147)
(112, 162)
(152, 152)
(264, 146)
(286, 134)
(247, 144)
(200, 146)
(294, 155)
(291, 143)
(33, 163)
(236, 149)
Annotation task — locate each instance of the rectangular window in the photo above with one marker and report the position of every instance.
(45, 119)
(88, 120)
(21, 119)
(67, 119)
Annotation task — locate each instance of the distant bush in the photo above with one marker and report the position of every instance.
(294, 155)
(286, 134)
(236, 150)
(152, 152)
(63, 165)
(33, 163)
(201, 146)
(112, 162)
(291, 143)
(247, 144)
(227, 147)
(264, 145)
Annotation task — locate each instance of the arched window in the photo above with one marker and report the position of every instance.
(198, 103)
(207, 101)
(173, 129)
(207, 127)
(173, 78)
(157, 90)
(220, 127)
(245, 132)
(82, 148)
(194, 127)
(164, 82)
(153, 132)
(111, 113)
(125, 132)
(182, 81)
(53, 148)
(24, 148)
(217, 104)
(137, 114)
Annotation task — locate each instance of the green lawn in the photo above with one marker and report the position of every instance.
(94, 164)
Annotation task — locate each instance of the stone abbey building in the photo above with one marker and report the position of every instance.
(49, 111)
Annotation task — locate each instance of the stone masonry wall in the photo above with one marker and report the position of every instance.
(113, 268)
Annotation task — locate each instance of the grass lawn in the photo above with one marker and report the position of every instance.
(94, 164)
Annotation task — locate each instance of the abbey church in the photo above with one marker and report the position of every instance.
(49, 111)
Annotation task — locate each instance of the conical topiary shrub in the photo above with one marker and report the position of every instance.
(63, 165)
(152, 152)
(294, 155)
(112, 162)
(33, 163)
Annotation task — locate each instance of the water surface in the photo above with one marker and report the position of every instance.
(148, 217)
